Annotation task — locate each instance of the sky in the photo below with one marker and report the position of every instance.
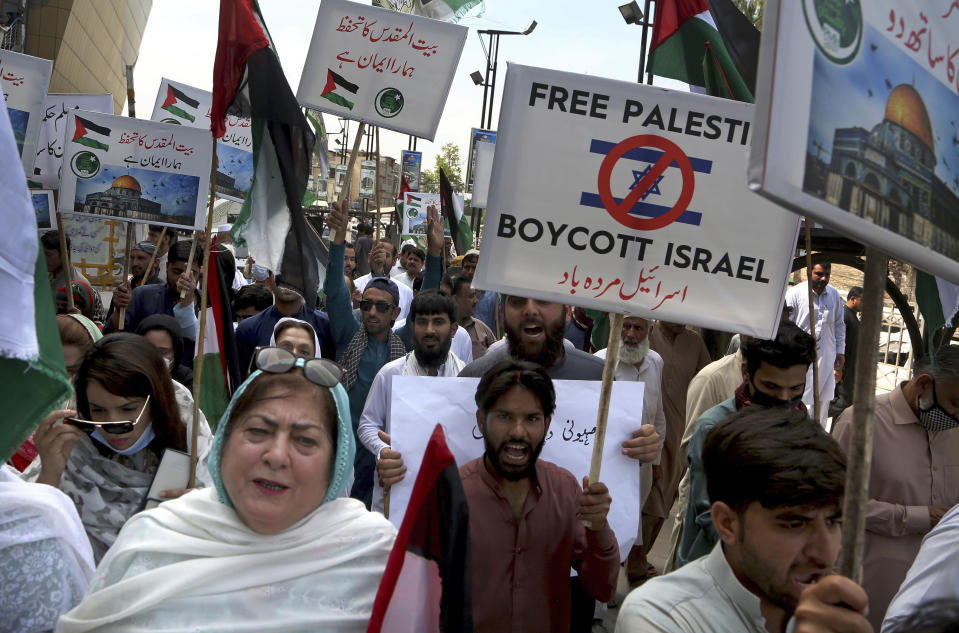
(590, 38)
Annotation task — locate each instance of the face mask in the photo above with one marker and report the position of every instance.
(136, 447)
(169, 363)
(763, 399)
(935, 418)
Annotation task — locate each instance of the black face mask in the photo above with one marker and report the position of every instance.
(935, 418)
(763, 399)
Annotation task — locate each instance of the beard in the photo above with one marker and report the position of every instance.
(764, 580)
(546, 353)
(507, 471)
(432, 357)
(634, 354)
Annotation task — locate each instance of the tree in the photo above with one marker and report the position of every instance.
(449, 159)
(430, 181)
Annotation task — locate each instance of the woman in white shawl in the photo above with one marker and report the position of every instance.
(107, 473)
(45, 558)
(271, 548)
(296, 336)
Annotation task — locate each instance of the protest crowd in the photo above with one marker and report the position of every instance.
(365, 430)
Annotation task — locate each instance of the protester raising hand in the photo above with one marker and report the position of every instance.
(338, 220)
(434, 232)
(594, 504)
(390, 464)
(186, 285)
(54, 443)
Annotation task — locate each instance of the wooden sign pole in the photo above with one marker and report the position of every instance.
(65, 261)
(859, 459)
(122, 318)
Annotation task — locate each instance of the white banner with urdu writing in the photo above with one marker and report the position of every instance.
(46, 168)
(630, 198)
(180, 104)
(418, 403)
(856, 122)
(385, 68)
(135, 170)
(24, 81)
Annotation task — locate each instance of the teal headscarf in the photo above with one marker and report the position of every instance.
(345, 446)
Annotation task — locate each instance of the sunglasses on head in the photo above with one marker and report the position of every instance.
(118, 427)
(381, 306)
(319, 371)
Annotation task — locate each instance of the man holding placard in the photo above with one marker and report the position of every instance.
(432, 315)
(529, 520)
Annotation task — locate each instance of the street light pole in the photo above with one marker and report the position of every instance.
(492, 60)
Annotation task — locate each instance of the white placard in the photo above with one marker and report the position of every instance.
(180, 104)
(135, 170)
(385, 68)
(24, 81)
(414, 212)
(418, 403)
(628, 198)
(856, 123)
(46, 168)
(482, 170)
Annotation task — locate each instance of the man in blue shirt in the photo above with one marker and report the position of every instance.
(287, 302)
(363, 347)
(165, 298)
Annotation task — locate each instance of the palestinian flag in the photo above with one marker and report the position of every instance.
(398, 210)
(336, 86)
(426, 585)
(249, 81)
(687, 46)
(175, 99)
(455, 217)
(90, 134)
(221, 369)
(31, 357)
(938, 302)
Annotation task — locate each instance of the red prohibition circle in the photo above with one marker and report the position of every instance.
(620, 212)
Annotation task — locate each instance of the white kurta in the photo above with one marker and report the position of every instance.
(650, 373)
(190, 565)
(830, 340)
(376, 412)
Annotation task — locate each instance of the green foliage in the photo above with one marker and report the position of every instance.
(449, 159)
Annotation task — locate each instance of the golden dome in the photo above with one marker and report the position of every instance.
(127, 182)
(906, 108)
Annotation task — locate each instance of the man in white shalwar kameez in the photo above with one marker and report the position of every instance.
(432, 314)
(830, 335)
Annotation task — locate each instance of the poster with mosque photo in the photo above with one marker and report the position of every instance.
(180, 104)
(857, 113)
(24, 81)
(135, 170)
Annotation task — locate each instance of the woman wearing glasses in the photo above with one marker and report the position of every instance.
(128, 413)
(272, 547)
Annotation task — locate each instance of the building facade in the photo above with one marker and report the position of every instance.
(90, 42)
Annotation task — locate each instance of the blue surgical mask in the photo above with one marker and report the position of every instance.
(141, 443)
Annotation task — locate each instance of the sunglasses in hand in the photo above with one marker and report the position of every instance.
(118, 427)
